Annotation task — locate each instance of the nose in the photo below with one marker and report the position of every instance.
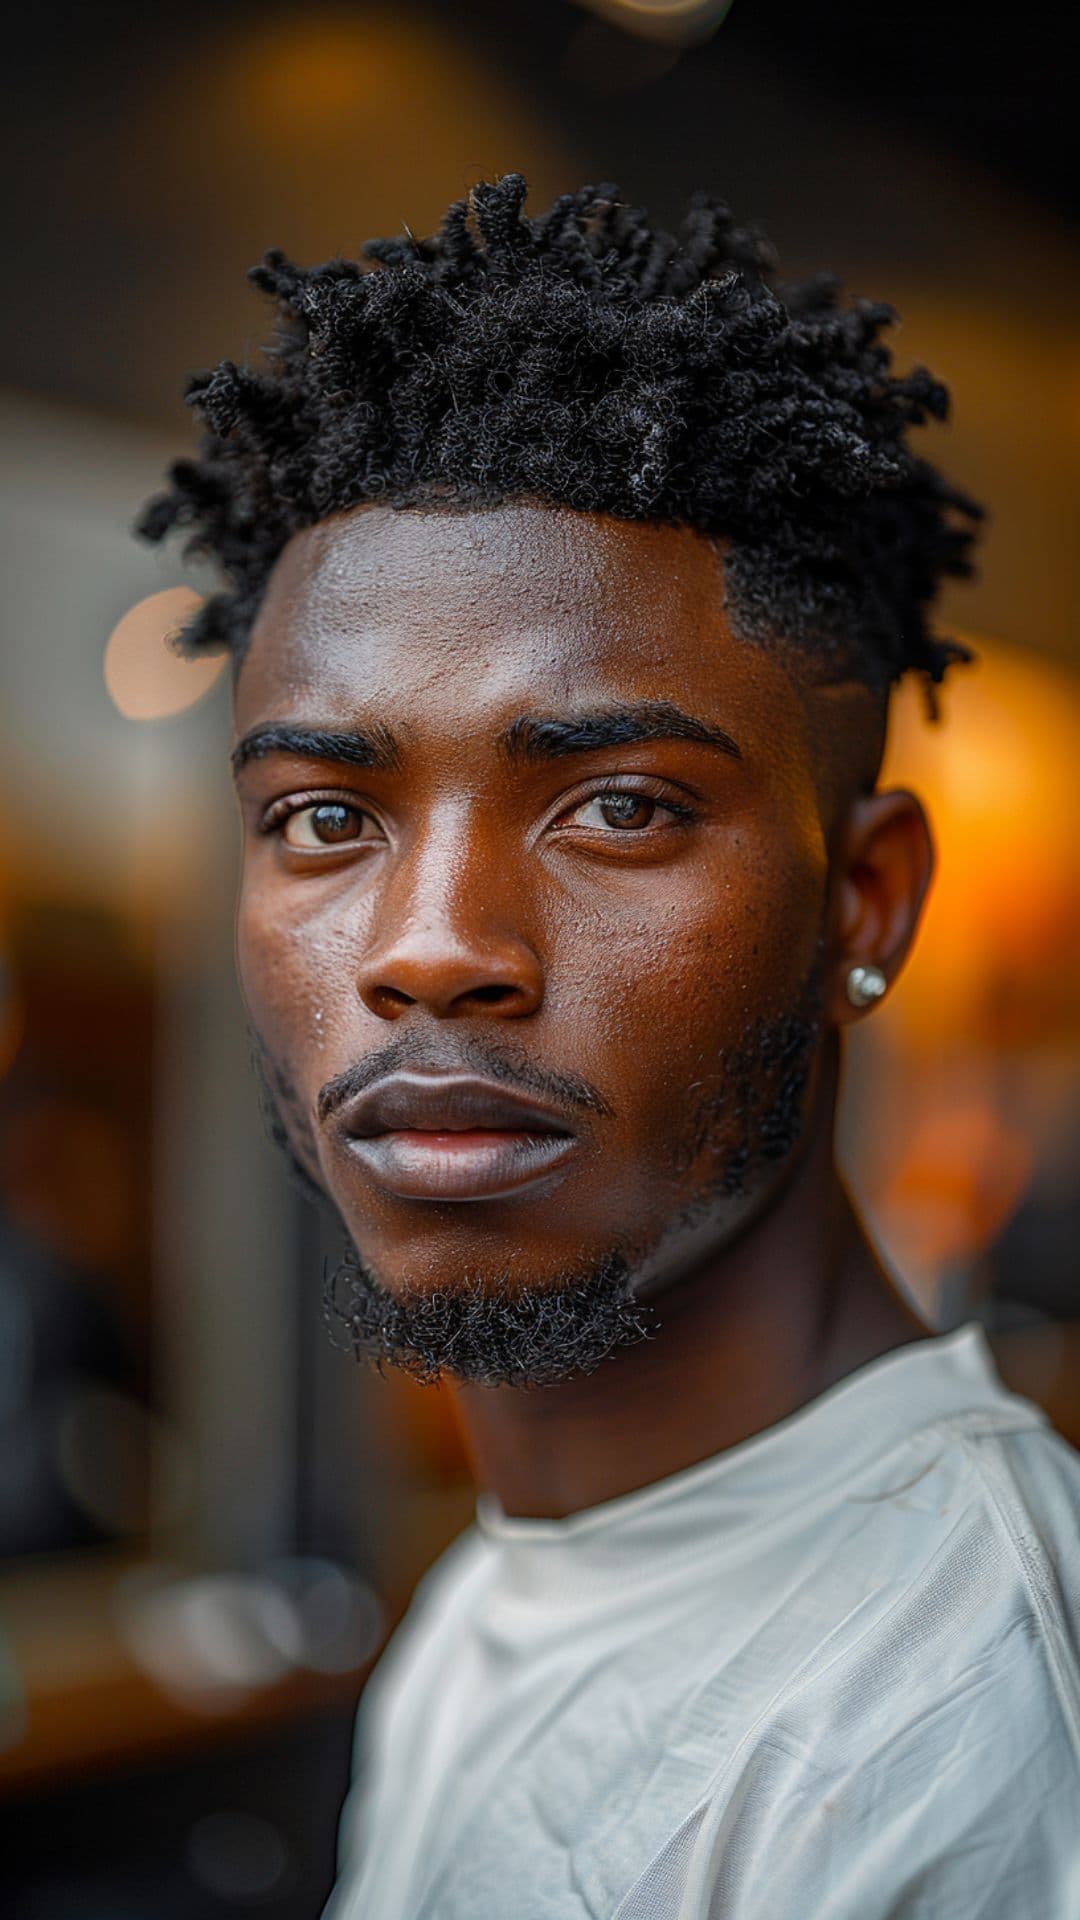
(446, 941)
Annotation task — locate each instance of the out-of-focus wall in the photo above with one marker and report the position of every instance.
(122, 833)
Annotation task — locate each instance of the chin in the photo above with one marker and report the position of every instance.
(491, 1246)
(493, 1329)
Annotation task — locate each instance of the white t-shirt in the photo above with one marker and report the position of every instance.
(832, 1673)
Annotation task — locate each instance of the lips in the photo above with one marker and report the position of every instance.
(452, 1137)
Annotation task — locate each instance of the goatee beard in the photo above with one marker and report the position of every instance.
(494, 1335)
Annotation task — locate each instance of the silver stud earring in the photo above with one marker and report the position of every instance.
(865, 985)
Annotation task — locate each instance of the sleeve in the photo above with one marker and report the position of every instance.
(938, 1776)
(970, 1812)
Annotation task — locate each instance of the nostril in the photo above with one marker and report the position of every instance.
(451, 984)
(388, 1002)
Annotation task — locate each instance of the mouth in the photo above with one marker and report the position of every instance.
(426, 1137)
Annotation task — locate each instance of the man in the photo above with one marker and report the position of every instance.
(570, 566)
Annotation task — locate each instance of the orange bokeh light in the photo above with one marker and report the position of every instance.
(146, 678)
(998, 955)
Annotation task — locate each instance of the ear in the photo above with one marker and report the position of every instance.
(883, 861)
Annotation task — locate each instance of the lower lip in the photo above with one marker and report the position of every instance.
(480, 1165)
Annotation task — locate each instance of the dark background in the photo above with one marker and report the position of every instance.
(147, 160)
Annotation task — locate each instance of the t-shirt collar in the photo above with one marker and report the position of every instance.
(763, 1483)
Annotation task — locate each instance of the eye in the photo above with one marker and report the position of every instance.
(323, 824)
(625, 810)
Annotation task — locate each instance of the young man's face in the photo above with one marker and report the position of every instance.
(584, 871)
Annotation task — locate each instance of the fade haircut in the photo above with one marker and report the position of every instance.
(584, 359)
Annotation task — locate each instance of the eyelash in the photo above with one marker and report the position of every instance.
(281, 811)
(679, 808)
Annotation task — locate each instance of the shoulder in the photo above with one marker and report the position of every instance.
(442, 1597)
(1031, 1482)
(991, 1592)
(1031, 1477)
(928, 1763)
(398, 1686)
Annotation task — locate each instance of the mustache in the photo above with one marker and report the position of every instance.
(508, 1065)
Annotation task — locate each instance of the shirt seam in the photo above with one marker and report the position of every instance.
(813, 1670)
(1005, 1500)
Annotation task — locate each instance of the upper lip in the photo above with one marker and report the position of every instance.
(446, 1103)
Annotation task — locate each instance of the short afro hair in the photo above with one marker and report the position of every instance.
(584, 359)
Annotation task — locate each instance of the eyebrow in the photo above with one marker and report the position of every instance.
(361, 747)
(537, 737)
(531, 738)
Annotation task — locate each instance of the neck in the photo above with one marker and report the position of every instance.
(747, 1337)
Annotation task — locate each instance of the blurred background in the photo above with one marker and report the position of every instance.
(209, 1517)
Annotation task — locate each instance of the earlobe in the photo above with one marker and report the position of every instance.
(884, 864)
(865, 985)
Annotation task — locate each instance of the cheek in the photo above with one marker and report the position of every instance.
(657, 999)
(292, 976)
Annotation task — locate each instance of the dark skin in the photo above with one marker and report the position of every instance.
(618, 913)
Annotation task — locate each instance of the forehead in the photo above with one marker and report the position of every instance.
(463, 617)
